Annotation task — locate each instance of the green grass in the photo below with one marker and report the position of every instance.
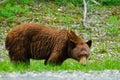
(112, 30)
(67, 65)
(9, 9)
(113, 20)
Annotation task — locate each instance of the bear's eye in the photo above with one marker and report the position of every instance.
(80, 55)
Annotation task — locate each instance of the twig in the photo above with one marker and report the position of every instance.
(94, 1)
(1, 2)
(85, 13)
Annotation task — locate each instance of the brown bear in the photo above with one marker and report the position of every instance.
(33, 41)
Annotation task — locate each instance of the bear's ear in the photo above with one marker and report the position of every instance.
(89, 43)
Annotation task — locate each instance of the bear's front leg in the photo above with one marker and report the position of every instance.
(53, 59)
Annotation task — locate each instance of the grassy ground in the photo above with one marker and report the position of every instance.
(67, 65)
(104, 30)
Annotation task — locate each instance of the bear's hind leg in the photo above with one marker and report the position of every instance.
(19, 56)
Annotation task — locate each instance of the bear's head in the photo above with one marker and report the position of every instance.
(78, 49)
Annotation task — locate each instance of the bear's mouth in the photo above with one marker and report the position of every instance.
(83, 60)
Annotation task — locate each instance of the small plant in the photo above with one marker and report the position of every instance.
(112, 30)
(113, 20)
(67, 19)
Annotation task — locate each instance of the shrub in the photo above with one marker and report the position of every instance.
(10, 8)
(109, 2)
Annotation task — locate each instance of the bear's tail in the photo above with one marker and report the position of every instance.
(9, 41)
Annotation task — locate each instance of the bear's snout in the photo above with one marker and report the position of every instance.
(83, 60)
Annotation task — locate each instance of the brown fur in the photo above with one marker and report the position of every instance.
(35, 41)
